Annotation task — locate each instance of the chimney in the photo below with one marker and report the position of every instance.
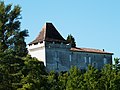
(103, 50)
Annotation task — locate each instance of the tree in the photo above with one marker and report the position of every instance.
(110, 78)
(11, 71)
(91, 78)
(12, 47)
(33, 75)
(63, 77)
(75, 79)
(71, 40)
(116, 66)
(52, 81)
(11, 37)
(20, 44)
(21, 73)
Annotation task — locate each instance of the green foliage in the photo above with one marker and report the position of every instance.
(110, 78)
(74, 79)
(71, 40)
(116, 66)
(63, 78)
(11, 37)
(10, 70)
(20, 44)
(91, 78)
(34, 74)
(52, 81)
(21, 73)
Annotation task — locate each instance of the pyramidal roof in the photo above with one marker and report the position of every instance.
(48, 33)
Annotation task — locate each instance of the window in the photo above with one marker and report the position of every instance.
(56, 54)
(105, 60)
(85, 59)
(70, 57)
(90, 60)
(57, 65)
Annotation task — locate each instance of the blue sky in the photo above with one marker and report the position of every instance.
(93, 23)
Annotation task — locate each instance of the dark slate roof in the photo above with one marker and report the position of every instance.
(48, 33)
(90, 50)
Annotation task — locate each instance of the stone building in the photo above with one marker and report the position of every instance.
(51, 48)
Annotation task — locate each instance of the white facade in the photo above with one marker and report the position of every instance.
(38, 51)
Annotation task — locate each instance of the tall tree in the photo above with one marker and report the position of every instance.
(12, 45)
(11, 36)
(71, 40)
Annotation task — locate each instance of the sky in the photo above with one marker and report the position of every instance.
(93, 23)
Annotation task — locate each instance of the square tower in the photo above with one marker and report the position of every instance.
(46, 45)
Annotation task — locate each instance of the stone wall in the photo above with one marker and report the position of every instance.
(60, 58)
(57, 57)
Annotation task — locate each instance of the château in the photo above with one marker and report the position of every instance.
(51, 48)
